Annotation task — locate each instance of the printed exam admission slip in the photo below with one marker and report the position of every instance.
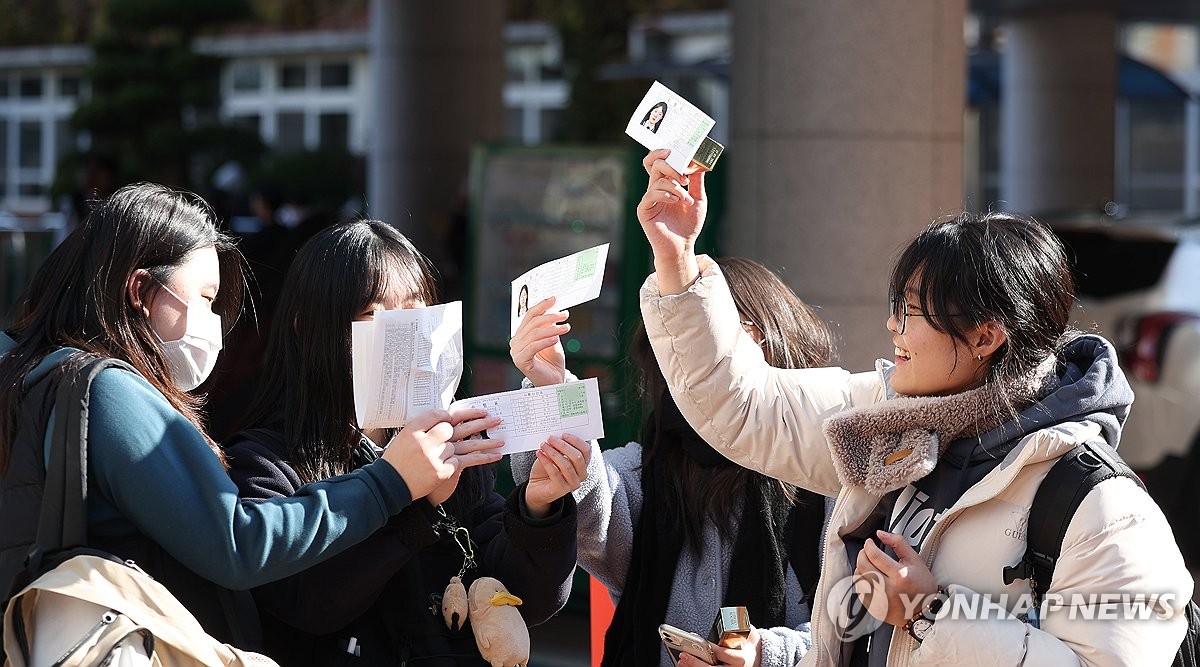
(663, 119)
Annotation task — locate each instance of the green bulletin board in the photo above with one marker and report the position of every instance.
(530, 206)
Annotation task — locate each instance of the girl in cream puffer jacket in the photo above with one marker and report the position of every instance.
(944, 450)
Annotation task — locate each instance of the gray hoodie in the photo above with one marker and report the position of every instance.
(609, 505)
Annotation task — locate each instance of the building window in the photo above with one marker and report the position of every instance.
(335, 75)
(289, 132)
(68, 86)
(248, 77)
(292, 76)
(552, 122)
(29, 145)
(514, 124)
(31, 86)
(3, 87)
(335, 130)
(64, 138)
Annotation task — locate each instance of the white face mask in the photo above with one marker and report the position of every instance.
(194, 355)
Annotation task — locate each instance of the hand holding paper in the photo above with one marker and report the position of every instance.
(560, 468)
(571, 280)
(536, 347)
(530, 416)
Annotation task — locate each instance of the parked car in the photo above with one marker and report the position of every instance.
(1139, 286)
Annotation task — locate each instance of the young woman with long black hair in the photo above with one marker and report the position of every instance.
(674, 530)
(149, 280)
(378, 603)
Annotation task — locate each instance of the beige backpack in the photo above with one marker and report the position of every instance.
(92, 610)
(85, 607)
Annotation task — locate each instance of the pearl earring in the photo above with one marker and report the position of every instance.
(979, 357)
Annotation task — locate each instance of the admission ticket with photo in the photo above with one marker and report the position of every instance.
(666, 120)
(571, 280)
(405, 362)
(531, 415)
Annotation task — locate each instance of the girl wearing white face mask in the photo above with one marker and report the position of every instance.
(193, 355)
(148, 279)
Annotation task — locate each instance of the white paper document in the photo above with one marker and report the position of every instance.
(531, 415)
(406, 362)
(571, 280)
(663, 119)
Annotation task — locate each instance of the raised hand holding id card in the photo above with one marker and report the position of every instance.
(663, 119)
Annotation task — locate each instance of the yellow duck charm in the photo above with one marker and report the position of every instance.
(454, 604)
(499, 628)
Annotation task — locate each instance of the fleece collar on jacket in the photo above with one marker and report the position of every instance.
(886, 446)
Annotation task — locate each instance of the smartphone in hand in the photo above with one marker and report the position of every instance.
(681, 641)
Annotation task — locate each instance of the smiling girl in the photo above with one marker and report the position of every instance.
(935, 456)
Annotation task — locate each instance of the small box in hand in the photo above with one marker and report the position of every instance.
(731, 627)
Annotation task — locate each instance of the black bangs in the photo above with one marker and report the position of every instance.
(940, 272)
(394, 265)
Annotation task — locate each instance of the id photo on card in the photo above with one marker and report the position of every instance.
(663, 119)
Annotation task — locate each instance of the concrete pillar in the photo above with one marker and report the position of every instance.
(1059, 89)
(846, 141)
(437, 72)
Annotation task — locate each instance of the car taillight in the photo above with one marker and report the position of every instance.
(1142, 359)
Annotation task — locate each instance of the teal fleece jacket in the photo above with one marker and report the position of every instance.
(150, 471)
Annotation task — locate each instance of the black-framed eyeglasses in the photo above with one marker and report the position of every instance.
(899, 310)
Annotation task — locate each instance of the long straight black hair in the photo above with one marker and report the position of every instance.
(78, 297)
(793, 336)
(307, 384)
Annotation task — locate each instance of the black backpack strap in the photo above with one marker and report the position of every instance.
(1069, 481)
(63, 520)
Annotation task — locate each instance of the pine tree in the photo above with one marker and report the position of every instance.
(154, 99)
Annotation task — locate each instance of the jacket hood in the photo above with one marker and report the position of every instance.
(1091, 388)
(47, 364)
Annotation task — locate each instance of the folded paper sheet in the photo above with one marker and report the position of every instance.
(406, 362)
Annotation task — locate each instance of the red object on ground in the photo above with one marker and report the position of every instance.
(600, 615)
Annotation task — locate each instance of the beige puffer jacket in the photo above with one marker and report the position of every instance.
(770, 420)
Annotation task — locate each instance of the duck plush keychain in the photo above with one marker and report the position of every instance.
(500, 631)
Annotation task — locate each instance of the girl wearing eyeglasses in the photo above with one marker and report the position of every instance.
(936, 454)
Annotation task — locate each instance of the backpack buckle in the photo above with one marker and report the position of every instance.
(1022, 570)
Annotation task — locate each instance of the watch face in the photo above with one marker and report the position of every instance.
(920, 628)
